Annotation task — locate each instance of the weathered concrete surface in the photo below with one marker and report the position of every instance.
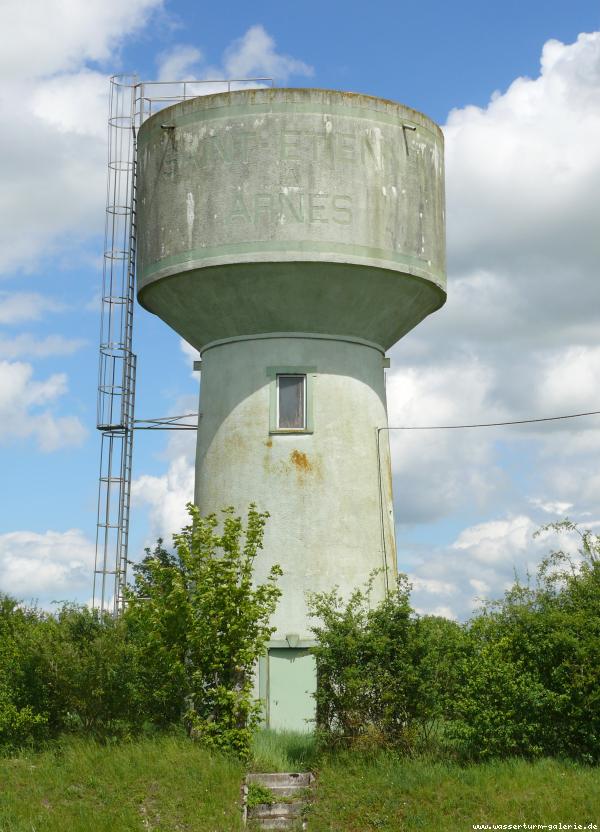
(323, 210)
(298, 231)
(331, 520)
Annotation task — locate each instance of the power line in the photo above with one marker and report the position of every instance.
(494, 424)
(174, 423)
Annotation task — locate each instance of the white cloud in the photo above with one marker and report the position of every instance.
(166, 497)
(570, 380)
(523, 168)
(441, 610)
(254, 54)
(481, 587)
(557, 508)
(191, 355)
(523, 176)
(437, 471)
(54, 111)
(26, 345)
(53, 172)
(492, 541)
(518, 336)
(18, 307)
(480, 564)
(432, 586)
(75, 103)
(26, 408)
(180, 63)
(44, 37)
(46, 566)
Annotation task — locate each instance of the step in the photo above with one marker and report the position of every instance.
(288, 791)
(280, 823)
(300, 780)
(276, 810)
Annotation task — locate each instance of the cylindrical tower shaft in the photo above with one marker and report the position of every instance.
(318, 476)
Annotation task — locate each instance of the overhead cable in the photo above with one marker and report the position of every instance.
(494, 424)
(172, 423)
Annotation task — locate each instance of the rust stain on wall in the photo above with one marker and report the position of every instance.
(300, 460)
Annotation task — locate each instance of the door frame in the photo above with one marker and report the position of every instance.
(263, 669)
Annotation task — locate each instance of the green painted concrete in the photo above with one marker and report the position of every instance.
(331, 517)
(323, 210)
(294, 230)
(207, 304)
(278, 100)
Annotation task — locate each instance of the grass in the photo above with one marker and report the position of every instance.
(163, 784)
(386, 793)
(168, 784)
(283, 751)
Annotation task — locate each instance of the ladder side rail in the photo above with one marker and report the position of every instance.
(116, 380)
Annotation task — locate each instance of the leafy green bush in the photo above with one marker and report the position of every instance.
(69, 671)
(21, 721)
(521, 678)
(201, 624)
(18, 726)
(384, 675)
(185, 648)
(87, 664)
(531, 682)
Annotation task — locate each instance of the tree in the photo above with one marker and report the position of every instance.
(201, 624)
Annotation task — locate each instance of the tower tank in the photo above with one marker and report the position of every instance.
(292, 236)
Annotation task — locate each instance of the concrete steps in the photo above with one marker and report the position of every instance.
(290, 793)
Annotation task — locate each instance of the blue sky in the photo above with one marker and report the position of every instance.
(517, 89)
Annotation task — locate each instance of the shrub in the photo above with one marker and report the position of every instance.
(185, 649)
(531, 682)
(202, 623)
(384, 675)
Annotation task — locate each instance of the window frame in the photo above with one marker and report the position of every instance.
(308, 373)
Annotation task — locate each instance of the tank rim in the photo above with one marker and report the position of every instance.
(270, 91)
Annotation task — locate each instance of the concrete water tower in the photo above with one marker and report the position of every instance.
(293, 236)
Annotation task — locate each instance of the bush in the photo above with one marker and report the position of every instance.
(201, 625)
(185, 648)
(531, 683)
(69, 671)
(87, 663)
(521, 678)
(384, 675)
(22, 721)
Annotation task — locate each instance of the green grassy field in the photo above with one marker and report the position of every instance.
(164, 784)
(398, 796)
(167, 784)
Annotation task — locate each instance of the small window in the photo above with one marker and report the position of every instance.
(291, 402)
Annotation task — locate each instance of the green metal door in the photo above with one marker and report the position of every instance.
(292, 683)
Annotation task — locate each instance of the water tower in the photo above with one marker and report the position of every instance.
(293, 236)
